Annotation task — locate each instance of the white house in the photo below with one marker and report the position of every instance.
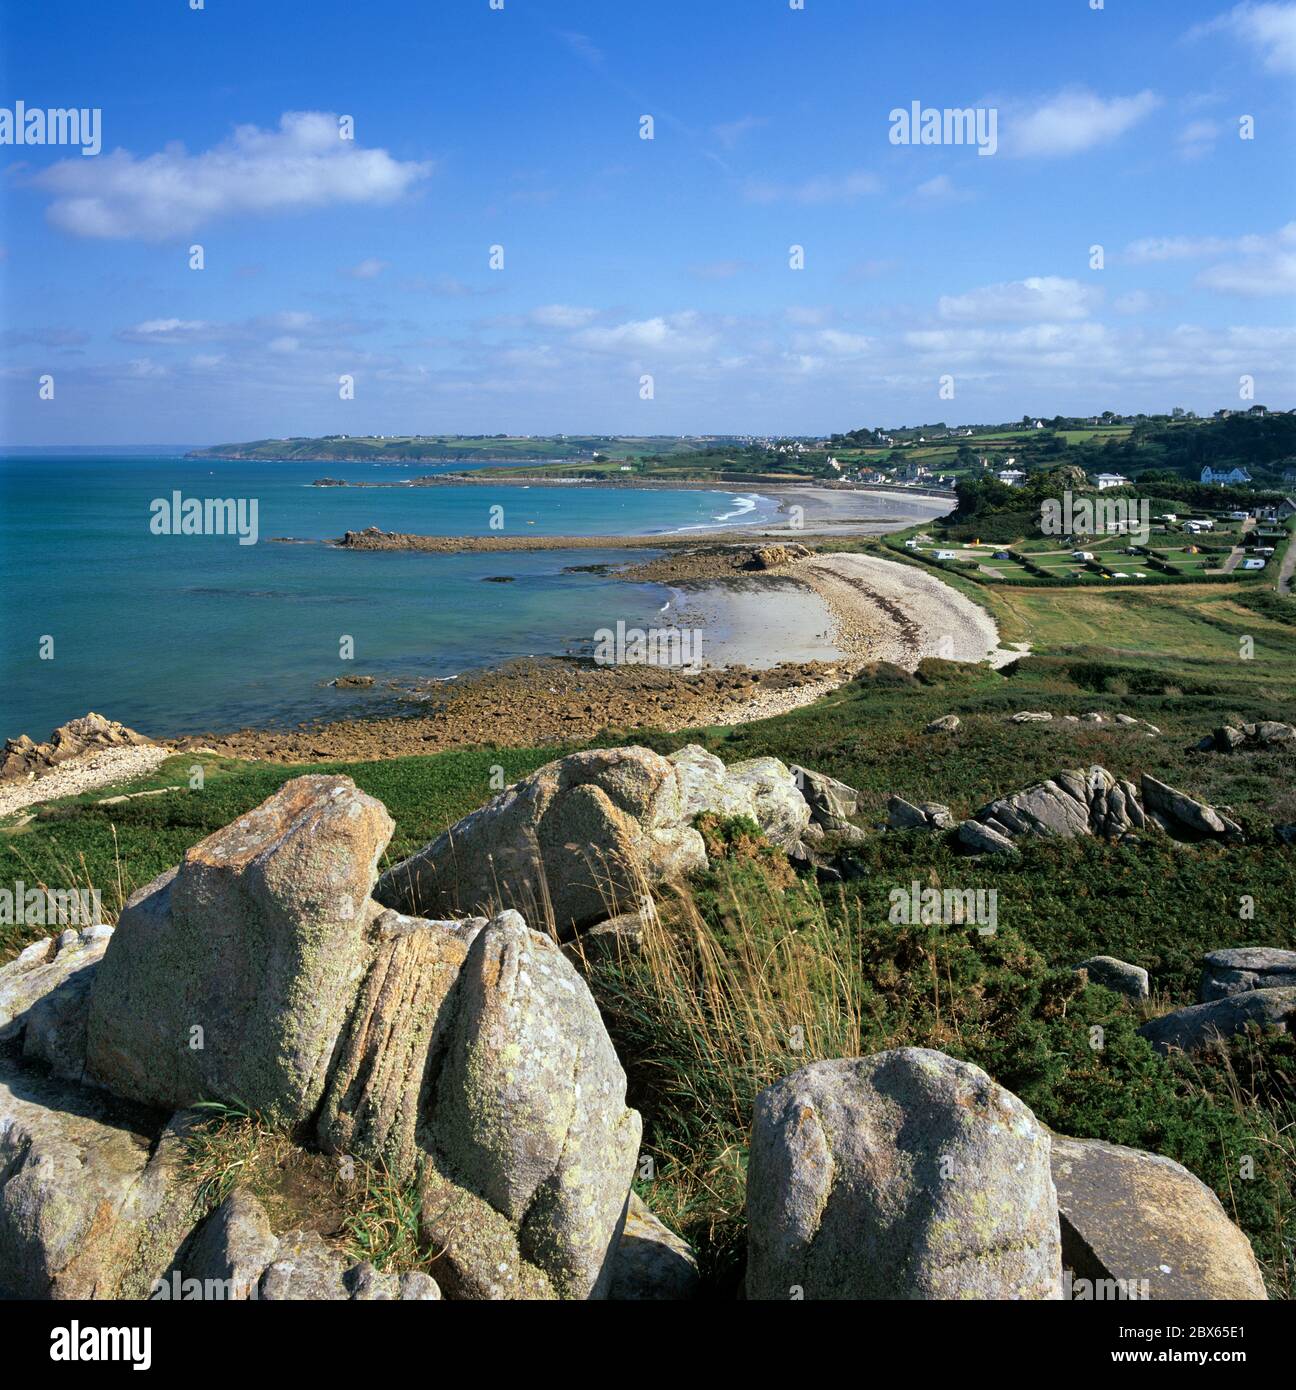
(1221, 478)
(1102, 481)
(1013, 477)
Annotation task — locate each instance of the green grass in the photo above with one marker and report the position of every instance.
(751, 977)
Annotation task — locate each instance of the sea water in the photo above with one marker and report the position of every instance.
(174, 633)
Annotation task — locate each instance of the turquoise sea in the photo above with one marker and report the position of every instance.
(180, 634)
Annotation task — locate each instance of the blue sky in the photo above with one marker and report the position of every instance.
(623, 257)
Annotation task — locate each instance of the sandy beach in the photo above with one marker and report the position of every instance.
(772, 642)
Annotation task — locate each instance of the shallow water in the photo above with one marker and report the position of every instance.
(184, 633)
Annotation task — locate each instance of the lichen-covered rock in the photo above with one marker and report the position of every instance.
(479, 1256)
(903, 1175)
(981, 839)
(1146, 1222)
(1183, 816)
(305, 1269)
(946, 724)
(831, 802)
(578, 838)
(42, 967)
(86, 1209)
(1201, 1025)
(705, 785)
(529, 1112)
(235, 1255)
(231, 977)
(780, 810)
(1246, 967)
(1073, 803)
(622, 935)
(394, 1040)
(232, 1248)
(44, 998)
(928, 815)
(1117, 975)
(1266, 733)
(652, 1263)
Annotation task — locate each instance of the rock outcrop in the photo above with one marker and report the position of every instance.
(44, 998)
(1182, 816)
(903, 1175)
(1201, 1025)
(1094, 802)
(1265, 734)
(584, 837)
(231, 977)
(832, 803)
(1145, 1222)
(1235, 971)
(928, 815)
(1073, 803)
(576, 840)
(90, 1207)
(22, 758)
(394, 1040)
(235, 1256)
(529, 1115)
(1116, 975)
(261, 972)
(772, 557)
(652, 1263)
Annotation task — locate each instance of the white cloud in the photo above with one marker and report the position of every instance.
(1271, 275)
(1149, 250)
(167, 331)
(720, 270)
(941, 189)
(841, 344)
(1258, 266)
(1198, 138)
(562, 316)
(368, 269)
(1039, 298)
(303, 164)
(823, 189)
(676, 334)
(1268, 28)
(583, 47)
(1075, 120)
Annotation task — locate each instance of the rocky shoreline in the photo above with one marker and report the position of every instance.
(877, 610)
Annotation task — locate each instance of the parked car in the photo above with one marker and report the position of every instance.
(1082, 555)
